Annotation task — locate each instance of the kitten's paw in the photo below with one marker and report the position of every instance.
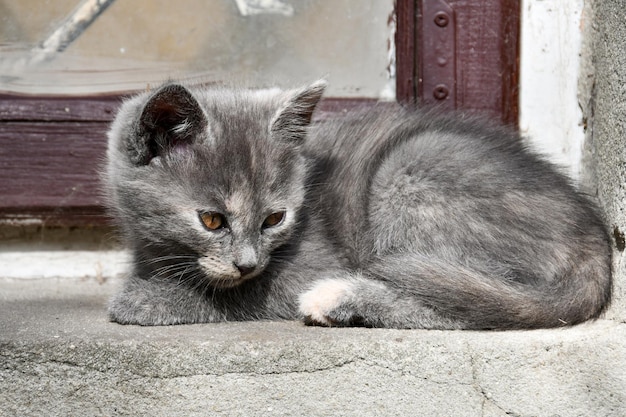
(144, 316)
(320, 304)
(123, 311)
(136, 309)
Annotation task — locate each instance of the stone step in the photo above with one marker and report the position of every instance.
(59, 355)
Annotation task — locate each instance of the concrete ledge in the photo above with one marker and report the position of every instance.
(60, 356)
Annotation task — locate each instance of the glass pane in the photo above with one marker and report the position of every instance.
(133, 43)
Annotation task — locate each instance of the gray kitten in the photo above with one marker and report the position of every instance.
(235, 207)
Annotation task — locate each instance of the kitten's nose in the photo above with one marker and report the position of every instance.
(245, 269)
(246, 261)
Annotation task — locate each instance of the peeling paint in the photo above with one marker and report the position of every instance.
(255, 7)
(388, 93)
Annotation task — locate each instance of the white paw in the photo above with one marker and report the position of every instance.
(325, 296)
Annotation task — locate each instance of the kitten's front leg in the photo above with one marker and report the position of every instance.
(355, 300)
(327, 303)
(158, 302)
(340, 302)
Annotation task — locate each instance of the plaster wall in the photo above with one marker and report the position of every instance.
(603, 89)
(550, 117)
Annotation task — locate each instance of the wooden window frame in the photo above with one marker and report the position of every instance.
(458, 54)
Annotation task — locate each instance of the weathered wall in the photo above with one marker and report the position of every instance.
(549, 116)
(605, 107)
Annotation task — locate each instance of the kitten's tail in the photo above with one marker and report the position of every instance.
(479, 301)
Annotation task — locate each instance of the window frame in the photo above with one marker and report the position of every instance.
(52, 147)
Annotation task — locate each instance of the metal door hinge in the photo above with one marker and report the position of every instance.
(437, 40)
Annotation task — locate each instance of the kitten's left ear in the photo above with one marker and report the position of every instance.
(291, 120)
(171, 117)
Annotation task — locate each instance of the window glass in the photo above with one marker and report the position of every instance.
(133, 43)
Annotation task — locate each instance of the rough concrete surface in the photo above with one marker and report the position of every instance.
(59, 355)
(607, 115)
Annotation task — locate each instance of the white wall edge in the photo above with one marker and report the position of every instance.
(550, 115)
(47, 264)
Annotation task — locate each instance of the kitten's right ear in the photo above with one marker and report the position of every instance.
(291, 120)
(171, 118)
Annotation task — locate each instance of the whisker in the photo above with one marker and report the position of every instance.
(165, 258)
(170, 270)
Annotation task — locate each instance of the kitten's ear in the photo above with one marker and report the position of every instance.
(171, 118)
(295, 115)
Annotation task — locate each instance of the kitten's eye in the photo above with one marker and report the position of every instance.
(212, 220)
(274, 219)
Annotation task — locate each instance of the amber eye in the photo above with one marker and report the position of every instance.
(274, 219)
(212, 220)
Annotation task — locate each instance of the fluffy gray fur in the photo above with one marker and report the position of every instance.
(388, 217)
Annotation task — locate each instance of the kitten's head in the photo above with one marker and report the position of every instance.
(214, 177)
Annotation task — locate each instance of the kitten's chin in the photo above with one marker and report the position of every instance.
(226, 283)
(232, 282)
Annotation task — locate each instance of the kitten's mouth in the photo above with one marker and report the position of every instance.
(233, 281)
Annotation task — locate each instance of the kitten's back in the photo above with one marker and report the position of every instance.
(460, 214)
